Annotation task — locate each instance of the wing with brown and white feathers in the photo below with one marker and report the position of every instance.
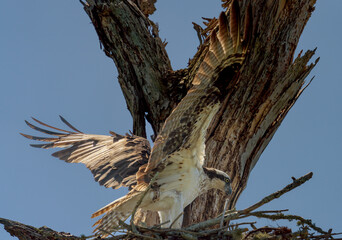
(113, 160)
(186, 126)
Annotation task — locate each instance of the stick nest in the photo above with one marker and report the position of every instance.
(220, 227)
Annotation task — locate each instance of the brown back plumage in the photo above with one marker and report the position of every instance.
(181, 125)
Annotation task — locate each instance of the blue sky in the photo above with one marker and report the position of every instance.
(51, 64)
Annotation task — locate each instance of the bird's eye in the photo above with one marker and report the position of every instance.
(227, 180)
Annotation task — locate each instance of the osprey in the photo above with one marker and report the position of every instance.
(179, 149)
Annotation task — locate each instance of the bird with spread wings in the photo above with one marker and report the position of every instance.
(179, 149)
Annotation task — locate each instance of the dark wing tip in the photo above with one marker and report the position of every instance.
(36, 145)
(248, 26)
(43, 130)
(27, 136)
(235, 22)
(43, 139)
(45, 146)
(49, 126)
(213, 36)
(223, 18)
(69, 125)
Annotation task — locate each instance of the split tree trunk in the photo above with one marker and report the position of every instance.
(269, 84)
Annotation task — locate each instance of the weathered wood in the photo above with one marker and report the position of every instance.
(268, 86)
(131, 40)
(26, 232)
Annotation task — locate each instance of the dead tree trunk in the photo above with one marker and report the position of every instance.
(269, 84)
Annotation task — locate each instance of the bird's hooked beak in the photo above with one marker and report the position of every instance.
(228, 189)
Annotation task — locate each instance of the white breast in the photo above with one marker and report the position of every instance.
(179, 186)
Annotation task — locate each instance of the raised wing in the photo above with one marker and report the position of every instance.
(183, 133)
(113, 160)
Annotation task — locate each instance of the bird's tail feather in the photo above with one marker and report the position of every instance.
(110, 222)
(116, 211)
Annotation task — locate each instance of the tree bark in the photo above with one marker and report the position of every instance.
(26, 232)
(269, 83)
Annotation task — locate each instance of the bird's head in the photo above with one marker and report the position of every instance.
(219, 180)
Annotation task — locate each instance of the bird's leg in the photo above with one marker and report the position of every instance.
(177, 221)
(176, 215)
(164, 217)
(174, 221)
(172, 214)
(224, 211)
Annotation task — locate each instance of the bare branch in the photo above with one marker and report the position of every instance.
(26, 232)
(296, 183)
(289, 217)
